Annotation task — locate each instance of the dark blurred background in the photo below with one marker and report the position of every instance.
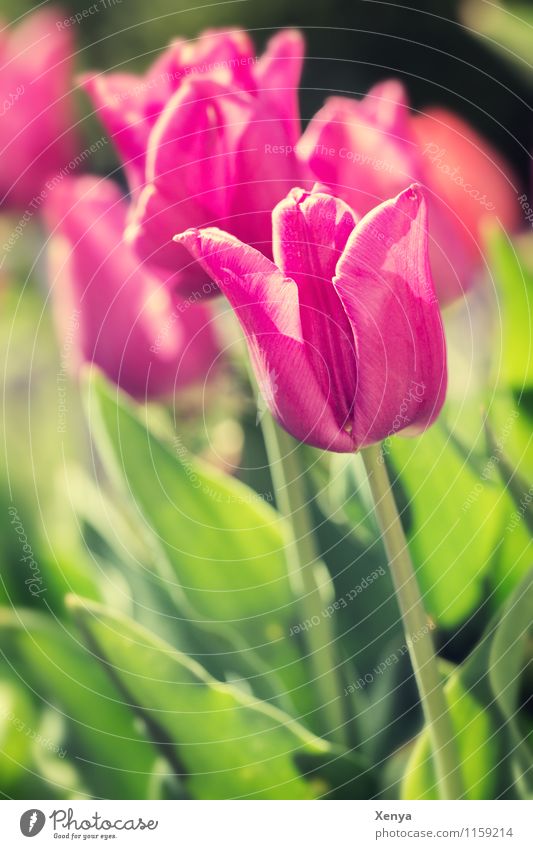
(351, 44)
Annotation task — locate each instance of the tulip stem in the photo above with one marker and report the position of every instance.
(416, 627)
(304, 573)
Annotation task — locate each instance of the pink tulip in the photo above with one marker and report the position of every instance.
(343, 328)
(206, 137)
(367, 150)
(36, 115)
(111, 311)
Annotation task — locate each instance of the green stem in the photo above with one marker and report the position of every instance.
(304, 573)
(416, 625)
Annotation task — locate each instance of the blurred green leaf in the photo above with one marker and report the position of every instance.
(511, 562)
(488, 711)
(513, 342)
(508, 663)
(505, 28)
(37, 440)
(50, 756)
(117, 758)
(364, 615)
(224, 544)
(478, 755)
(513, 429)
(344, 495)
(456, 522)
(346, 775)
(17, 716)
(510, 455)
(230, 745)
(127, 560)
(67, 563)
(518, 488)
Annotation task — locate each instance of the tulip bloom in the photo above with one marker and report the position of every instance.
(36, 115)
(207, 137)
(343, 328)
(111, 311)
(369, 150)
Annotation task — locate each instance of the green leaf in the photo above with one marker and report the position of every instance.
(512, 560)
(117, 759)
(488, 711)
(125, 558)
(515, 284)
(230, 745)
(505, 28)
(17, 717)
(344, 496)
(456, 522)
(478, 755)
(50, 756)
(41, 430)
(518, 488)
(507, 661)
(511, 459)
(513, 429)
(224, 544)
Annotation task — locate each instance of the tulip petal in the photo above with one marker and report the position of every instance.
(310, 232)
(266, 305)
(369, 150)
(364, 149)
(190, 169)
(265, 168)
(192, 143)
(387, 106)
(37, 126)
(128, 105)
(129, 324)
(150, 229)
(464, 170)
(467, 181)
(384, 281)
(227, 54)
(121, 102)
(278, 74)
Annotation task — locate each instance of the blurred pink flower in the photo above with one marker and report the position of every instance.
(37, 139)
(207, 137)
(110, 310)
(368, 150)
(343, 328)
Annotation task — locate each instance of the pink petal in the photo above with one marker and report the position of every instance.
(120, 105)
(265, 168)
(128, 105)
(362, 149)
(278, 75)
(37, 131)
(386, 104)
(467, 181)
(226, 56)
(385, 284)
(190, 168)
(310, 234)
(117, 314)
(266, 305)
(191, 147)
(150, 229)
